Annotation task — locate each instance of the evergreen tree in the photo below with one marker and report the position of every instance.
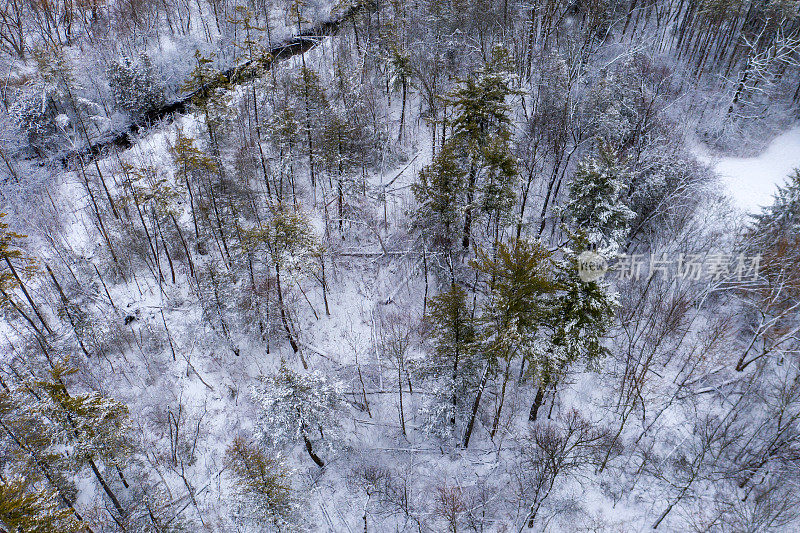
(312, 109)
(520, 287)
(400, 75)
(519, 305)
(343, 146)
(156, 199)
(210, 93)
(90, 425)
(292, 247)
(284, 134)
(482, 140)
(192, 167)
(24, 508)
(453, 363)
(475, 170)
(781, 219)
(439, 191)
(204, 80)
(264, 493)
(58, 434)
(135, 87)
(298, 408)
(35, 112)
(16, 268)
(596, 204)
(30, 453)
(578, 320)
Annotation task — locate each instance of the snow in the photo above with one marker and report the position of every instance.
(752, 181)
(206, 385)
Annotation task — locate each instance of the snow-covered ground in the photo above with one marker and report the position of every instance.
(752, 181)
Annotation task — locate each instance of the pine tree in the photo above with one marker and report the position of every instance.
(28, 444)
(59, 434)
(519, 304)
(264, 493)
(192, 167)
(258, 59)
(210, 93)
(24, 508)
(92, 426)
(156, 198)
(400, 76)
(343, 147)
(204, 80)
(578, 320)
(284, 134)
(292, 247)
(298, 408)
(312, 109)
(440, 192)
(482, 140)
(17, 268)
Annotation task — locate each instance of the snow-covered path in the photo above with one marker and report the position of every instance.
(752, 181)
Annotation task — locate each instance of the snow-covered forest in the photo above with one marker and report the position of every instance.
(399, 266)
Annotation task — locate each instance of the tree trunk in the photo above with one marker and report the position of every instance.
(66, 310)
(310, 449)
(285, 318)
(400, 393)
(537, 403)
(27, 296)
(109, 492)
(468, 432)
(496, 421)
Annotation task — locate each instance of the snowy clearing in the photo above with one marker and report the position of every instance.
(752, 181)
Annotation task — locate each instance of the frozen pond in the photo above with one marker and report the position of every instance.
(753, 180)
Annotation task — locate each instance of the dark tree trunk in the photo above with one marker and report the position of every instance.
(537, 403)
(310, 449)
(475, 405)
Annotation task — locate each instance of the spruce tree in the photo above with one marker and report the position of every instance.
(596, 202)
(781, 219)
(579, 318)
